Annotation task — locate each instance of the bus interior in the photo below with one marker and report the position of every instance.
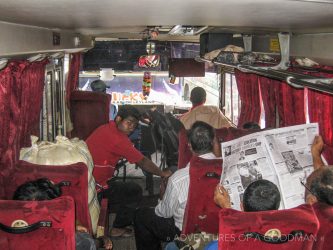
(264, 61)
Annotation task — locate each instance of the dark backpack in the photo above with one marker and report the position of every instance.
(165, 128)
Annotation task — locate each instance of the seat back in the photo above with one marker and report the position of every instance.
(184, 152)
(201, 213)
(76, 174)
(298, 229)
(54, 224)
(228, 134)
(324, 214)
(89, 110)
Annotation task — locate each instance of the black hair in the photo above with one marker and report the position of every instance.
(98, 86)
(261, 195)
(322, 185)
(251, 125)
(126, 111)
(201, 136)
(198, 95)
(40, 189)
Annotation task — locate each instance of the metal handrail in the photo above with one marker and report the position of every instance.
(296, 80)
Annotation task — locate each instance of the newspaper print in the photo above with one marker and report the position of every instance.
(290, 150)
(282, 156)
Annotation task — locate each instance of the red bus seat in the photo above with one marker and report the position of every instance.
(89, 110)
(324, 214)
(76, 174)
(201, 213)
(184, 152)
(57, 218)
(228, 134)
(298, 227)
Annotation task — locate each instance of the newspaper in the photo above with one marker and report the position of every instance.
(282, 156)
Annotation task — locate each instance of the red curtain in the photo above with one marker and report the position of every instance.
(31, 100)
(73, 75)
(291, 105)
(268, 88)
(248, 89)
(20, 102)
(320, 106)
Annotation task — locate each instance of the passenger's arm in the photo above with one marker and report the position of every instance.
(316, 150)
(167, 205)
(221, 197)
(150, 167)
(79, 227)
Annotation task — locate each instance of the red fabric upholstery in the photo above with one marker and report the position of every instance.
(291, 105)
(324, 214)
(320, 110)
(201, 213)
(77, 174)
(233, 224)
(21, 91)
(61, 213)
(268, 88)
(228, 134)
(248, 89)
(223, 134)
(184, 152)
(89, 110)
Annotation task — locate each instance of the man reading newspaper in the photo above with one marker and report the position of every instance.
(282, 156)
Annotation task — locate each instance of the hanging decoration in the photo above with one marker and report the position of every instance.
(146, 84)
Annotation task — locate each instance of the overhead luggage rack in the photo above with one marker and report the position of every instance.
(281, 71)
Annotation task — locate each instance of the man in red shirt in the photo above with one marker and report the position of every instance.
(108, 144)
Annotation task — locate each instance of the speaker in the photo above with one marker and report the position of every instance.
(213, 41)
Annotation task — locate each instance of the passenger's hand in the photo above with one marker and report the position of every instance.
(317, 146)
(81, 229)
(221, 197)
(163, 185)
(166, 173)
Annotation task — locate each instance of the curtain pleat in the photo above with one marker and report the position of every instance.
(320, 106)
(268, 88)
(291, 105)
(21, 92)
(248, 89)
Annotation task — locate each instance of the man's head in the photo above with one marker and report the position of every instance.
(261, 195)
(198, 96)
(320, 183)
(98, 86)
(127, 119)
(201, 137)
(38, 190)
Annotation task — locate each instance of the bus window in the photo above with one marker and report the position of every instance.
(210, 82)
(231, 97)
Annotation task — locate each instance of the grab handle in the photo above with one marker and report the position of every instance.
(25, 229)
